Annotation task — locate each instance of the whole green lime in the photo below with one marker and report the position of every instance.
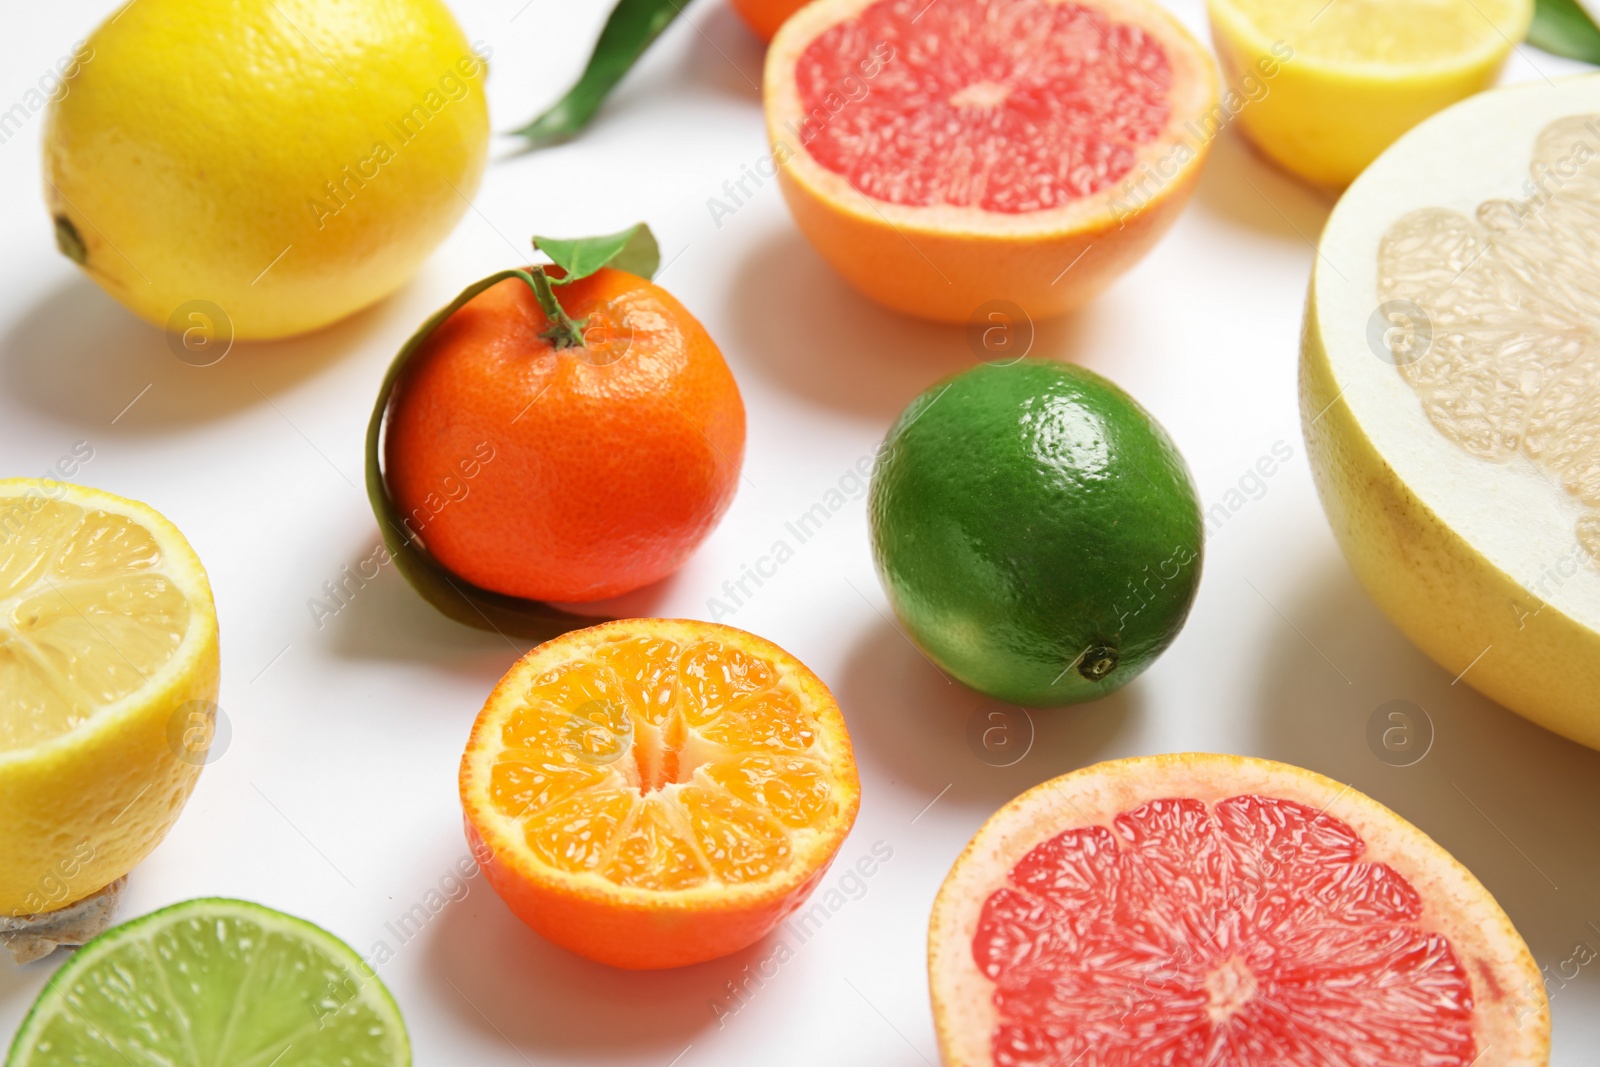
(1036, 530)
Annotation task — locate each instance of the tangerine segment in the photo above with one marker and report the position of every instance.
(1146, 911)
(653, 792)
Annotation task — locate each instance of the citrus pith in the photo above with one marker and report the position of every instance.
(942, 156)
(654, 792)
(108, 686)
(1235, 912)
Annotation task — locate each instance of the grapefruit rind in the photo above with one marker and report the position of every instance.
(627, 925)
(1421, 520)
(1512, 1016)
(942, 262)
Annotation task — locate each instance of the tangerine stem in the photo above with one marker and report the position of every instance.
(563, 331)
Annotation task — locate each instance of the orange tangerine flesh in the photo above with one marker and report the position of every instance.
(656, 792)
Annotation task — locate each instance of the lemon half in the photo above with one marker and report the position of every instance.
(108, 686)
(1324, 86)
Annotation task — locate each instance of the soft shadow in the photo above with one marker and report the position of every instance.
(500, 977)
(1518, 805)
(639, 604)
(1244, 187)
(81, 357)
(930, 732)
(385, 619)
(723, 56)
(794, 320)
(20, 984)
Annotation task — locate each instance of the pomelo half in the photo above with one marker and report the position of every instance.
(944, 155)
(1450, 393)
(1222, 911)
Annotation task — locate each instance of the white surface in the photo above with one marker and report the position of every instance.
(336, 799)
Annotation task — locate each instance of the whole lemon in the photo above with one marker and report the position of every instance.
(272, 164)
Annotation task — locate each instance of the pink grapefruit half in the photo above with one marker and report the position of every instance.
(1219, 911)
(943, 154)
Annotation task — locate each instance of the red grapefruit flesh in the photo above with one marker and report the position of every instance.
(1043, 104)
(1218, 911)
(945, 154)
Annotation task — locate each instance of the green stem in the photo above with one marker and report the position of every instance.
(563, 331)
(451, 594)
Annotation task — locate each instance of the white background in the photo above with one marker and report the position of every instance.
(336, 796)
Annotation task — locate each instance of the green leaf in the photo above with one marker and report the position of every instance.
(1564, 28)
(633, 250)
(450, 593)
(632, 28)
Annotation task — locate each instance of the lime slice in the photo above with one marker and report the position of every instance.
(214, 983)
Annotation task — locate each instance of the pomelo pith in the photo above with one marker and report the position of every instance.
(1450, 392)
(1225, 911)
(941, 156)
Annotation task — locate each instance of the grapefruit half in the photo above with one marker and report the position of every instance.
(1450, 393)
(942, 155)
(1219, 910)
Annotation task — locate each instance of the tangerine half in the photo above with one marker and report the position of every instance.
(656, 792)
(565, 474)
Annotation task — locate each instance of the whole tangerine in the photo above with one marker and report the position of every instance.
(565, 473)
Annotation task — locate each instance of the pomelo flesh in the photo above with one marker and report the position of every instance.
(1225, 912)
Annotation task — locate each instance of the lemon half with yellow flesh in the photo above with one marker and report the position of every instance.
(108, 687)
(1322, 87)
(1450, 393)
